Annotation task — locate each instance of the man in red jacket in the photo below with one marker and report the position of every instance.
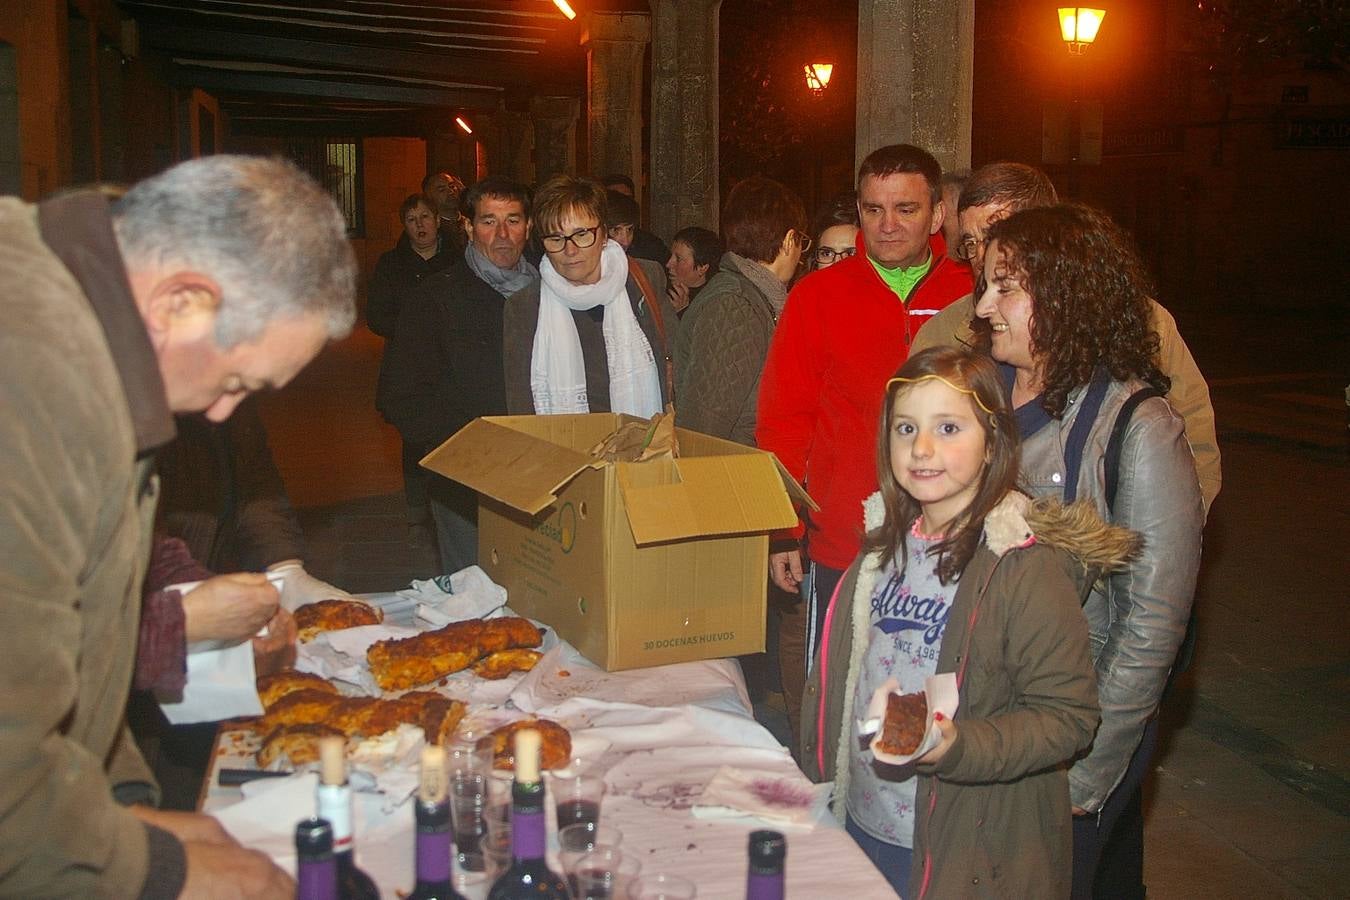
(844, 332)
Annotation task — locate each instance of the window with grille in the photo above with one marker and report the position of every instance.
(337, 166)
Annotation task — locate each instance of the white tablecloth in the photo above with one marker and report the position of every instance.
(663, 731)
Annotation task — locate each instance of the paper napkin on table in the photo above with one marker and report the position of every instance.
(780, 798)
(467, 594)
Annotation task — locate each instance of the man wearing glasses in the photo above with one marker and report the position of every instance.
(844, 332)
(998, 190)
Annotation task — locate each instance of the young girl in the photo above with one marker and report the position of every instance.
(960, 573)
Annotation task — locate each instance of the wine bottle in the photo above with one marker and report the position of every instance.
(768, 852)
(335, 805)
(529, 876)
(316, 869)
(431, 811)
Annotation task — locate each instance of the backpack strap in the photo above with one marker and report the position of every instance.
(653, 303)
(1117, 440)
(1185, 652)
(1091, 405)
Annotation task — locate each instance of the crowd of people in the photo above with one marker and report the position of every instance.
(1011, 451)
(966, 344)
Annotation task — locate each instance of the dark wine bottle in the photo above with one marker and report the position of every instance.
(316, 869)
(768, 852)
(431, 810)
(529, 876)
(335, 805)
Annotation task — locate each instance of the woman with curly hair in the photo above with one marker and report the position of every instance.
(1064, 308)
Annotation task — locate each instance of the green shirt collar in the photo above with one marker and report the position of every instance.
(901, 280)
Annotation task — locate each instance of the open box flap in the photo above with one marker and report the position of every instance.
(714, 495)
(795, 490)
(523, 471)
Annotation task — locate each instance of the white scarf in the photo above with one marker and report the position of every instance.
(557, 369)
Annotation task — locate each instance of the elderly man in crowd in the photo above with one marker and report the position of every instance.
(444, 366)
(218, 278)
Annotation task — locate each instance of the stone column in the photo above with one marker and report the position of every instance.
(684, 164)
(614, 44)
(555, 136)
(915, 71)
(508, 140)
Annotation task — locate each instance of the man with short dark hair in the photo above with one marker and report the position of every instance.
(626, 221)
(996, 191)
(444, 365)
(218, 278)
(445, 190)
(844, 332)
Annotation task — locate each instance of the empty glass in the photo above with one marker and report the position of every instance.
(662, 887)
(575, 841)
(602, 874)
(468, 767)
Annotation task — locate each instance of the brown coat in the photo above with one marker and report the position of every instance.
(1000, 824)
(83, 405)
(521, 316)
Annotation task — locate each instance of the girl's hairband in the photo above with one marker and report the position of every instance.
(960, 390)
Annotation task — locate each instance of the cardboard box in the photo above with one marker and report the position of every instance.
(636, 564)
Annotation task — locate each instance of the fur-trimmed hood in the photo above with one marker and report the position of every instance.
(1018, 521)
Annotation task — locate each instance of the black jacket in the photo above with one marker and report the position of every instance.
(397, 274)
(443, 367)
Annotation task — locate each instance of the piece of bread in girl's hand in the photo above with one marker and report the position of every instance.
(905, 724)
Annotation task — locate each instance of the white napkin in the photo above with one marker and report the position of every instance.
(782, 799)
(341, 655)
(265, 820)
(221, 684)
(943, 697)
(467, 594)
(564, 675)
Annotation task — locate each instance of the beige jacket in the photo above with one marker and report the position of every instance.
(1189, 394)
(83, 404)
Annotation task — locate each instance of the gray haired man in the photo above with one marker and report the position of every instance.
(213, 280)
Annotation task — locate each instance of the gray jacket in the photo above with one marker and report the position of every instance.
(1136, 617)
(720, 348)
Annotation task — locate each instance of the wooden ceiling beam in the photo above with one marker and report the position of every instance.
(478, 69)
(220, 81)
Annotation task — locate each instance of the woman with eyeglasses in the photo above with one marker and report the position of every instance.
(724, 337)
(586, 337)
(836, 231)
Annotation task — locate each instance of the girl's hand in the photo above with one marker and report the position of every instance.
(948, 729)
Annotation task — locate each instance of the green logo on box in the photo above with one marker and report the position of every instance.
(563, 531)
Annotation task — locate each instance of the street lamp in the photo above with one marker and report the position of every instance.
(1078, 26)
(818, 76)
(463, 125)
(565, 8)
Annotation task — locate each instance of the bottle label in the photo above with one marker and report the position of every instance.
(316, 880)
(433, 856)
(764, 887)
(527, 834)
(335, 805)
